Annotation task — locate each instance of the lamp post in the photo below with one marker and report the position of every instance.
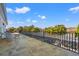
(43, 30)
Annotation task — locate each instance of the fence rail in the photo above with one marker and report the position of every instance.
(69, 41)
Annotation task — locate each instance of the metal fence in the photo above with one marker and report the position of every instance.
(69, 41)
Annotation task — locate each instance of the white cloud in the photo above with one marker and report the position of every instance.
(22, 10)
(39, 15)
(28, 20)
(42, 17)
(9, 10)
(18, 10)
(74, 9)
(31, 21)
(34, 21)
(10, 22)
(67, 19)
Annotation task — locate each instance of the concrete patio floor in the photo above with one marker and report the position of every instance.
(27, 46)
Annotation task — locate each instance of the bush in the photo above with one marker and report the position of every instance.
(12, 29)
(60, 29)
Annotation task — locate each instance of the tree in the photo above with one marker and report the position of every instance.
(12, 29)
(20, 29)
(61, 29)
(77, 31)
(36, 29)
(25, 28)
(31, 28)
(49, 30)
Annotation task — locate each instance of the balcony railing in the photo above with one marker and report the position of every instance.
(69, 41)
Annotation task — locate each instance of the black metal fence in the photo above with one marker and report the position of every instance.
(69, 41)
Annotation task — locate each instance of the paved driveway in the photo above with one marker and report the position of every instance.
(25, 46)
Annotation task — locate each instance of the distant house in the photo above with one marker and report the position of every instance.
(71, 30)
(3, 20)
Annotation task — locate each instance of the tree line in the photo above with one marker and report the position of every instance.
(61, 29)
(31, 28)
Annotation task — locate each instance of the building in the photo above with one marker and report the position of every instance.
(71, 30)
(3, 21)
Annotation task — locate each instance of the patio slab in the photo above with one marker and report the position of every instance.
(27, 46)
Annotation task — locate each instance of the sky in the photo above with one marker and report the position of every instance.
(42, 14)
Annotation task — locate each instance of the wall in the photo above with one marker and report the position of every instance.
(2, 22)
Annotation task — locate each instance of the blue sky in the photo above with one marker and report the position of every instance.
(42, 14)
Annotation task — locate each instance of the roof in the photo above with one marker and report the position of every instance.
(71, 29)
